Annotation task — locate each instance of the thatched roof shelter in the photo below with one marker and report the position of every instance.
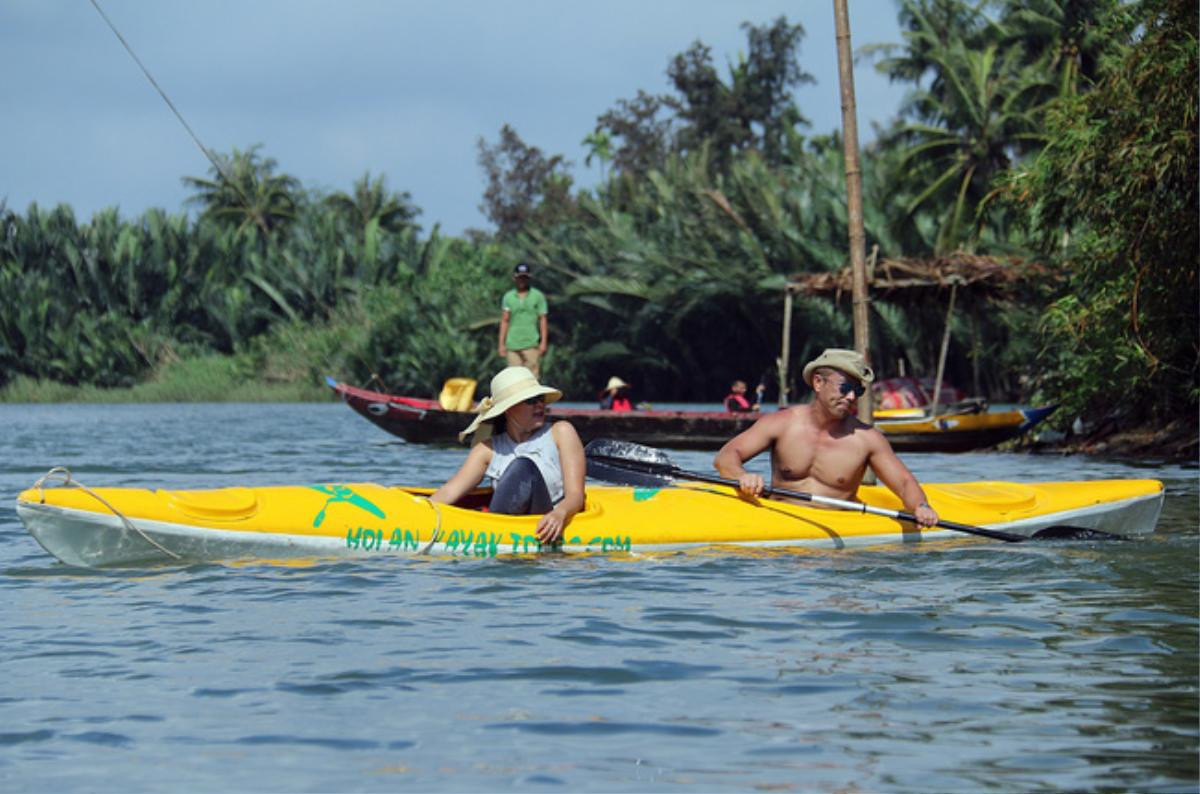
(981, 277)
(982, 274)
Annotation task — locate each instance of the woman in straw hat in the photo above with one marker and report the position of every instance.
(535, 466)
(615, 396)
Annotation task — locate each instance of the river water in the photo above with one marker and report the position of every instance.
(961, 665)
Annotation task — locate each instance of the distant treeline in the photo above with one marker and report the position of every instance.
(1057, 132)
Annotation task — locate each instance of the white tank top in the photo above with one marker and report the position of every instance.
(539, 448)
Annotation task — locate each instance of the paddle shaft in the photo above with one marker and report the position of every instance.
(828, 501)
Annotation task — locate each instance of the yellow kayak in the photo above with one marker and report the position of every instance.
(911, 430)
(123, 526)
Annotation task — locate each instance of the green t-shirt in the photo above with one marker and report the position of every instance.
(523, 318)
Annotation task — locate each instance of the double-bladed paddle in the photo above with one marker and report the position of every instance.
(627, 463)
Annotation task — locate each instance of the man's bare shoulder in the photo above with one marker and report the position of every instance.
(777, 420)
(857, 425)
(791, 412)
(871, 435)
(766, 430)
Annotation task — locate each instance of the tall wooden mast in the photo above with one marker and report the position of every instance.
(858, 237)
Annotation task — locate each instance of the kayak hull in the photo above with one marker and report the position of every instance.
(121, 526)
(960, 432)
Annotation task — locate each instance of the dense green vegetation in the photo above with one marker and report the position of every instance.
(1060, 131)
(1113, 201)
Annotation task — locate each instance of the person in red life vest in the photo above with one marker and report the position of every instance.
(736, 402)
(616, 396)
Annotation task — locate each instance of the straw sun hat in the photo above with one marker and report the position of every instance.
(847, 361)
(615, 383)
(510, 386)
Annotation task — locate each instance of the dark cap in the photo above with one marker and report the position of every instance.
(523, 269)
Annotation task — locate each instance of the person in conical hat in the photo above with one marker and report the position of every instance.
(615, 396)
(536, 466)
(615, 383)
(821, 447)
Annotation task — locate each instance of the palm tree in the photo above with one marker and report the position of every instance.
(370, 202)
(246, 193)
(599, 143)
(929, 26)
(980, 115)
(374, 210)
(1067, 38)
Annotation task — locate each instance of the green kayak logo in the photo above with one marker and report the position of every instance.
(644, 494)
(340, 493)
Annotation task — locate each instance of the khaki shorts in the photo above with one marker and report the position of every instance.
(525, 358)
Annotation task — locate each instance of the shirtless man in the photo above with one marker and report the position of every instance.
(822, 448)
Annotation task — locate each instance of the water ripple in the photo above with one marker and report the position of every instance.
(955, 665)
(599, 728)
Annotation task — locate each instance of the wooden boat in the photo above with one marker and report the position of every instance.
(426, 421)
(133, 526)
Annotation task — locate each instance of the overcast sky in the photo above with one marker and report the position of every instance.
(334, 89)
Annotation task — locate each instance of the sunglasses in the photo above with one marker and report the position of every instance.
(541, 398)
(845, 387)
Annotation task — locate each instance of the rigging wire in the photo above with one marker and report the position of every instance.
(271, 293)
(207, 153)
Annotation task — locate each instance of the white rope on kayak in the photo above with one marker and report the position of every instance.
(437, 527)
(63, 474)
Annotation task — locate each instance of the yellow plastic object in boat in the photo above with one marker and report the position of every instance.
(457, 394)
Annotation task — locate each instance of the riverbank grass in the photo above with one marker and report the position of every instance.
(203, 379)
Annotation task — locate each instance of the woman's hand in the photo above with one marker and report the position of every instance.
(550, 526)
(574, 468)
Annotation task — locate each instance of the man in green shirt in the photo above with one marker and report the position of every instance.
(523, 327)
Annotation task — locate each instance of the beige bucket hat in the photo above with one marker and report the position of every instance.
(510, 386)
(847, 361)
(615, 383)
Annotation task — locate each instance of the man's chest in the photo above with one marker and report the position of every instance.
(831, 460)
(523, 303)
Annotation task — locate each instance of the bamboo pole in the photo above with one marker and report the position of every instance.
(785, 346)
(854, 210)
(941, 367)
(858, 265)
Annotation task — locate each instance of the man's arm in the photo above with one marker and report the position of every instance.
(505, 316)
(896, 476)
(543, 334)
(744, 446)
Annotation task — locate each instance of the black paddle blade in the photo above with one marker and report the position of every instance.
(626, 451)
(626, 463)
(621, 474)
(1063, 532)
